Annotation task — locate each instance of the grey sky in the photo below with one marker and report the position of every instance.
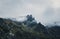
(45, 11)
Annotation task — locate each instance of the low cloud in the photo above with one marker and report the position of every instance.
(45, 11)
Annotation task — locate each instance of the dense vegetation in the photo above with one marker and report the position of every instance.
(28, 29)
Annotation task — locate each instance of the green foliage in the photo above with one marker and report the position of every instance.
(16, 30)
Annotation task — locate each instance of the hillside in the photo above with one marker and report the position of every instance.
(10, 29)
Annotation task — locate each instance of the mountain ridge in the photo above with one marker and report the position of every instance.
(10, 29)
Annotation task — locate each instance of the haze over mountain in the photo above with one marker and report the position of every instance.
(45, 11)
(27, 29)
(29, 19)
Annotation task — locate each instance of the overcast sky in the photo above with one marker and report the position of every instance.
(45, 11)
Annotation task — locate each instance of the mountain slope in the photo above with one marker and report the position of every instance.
(54, 32)
(12, 30)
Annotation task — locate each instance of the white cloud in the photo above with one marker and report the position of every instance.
(45, 11)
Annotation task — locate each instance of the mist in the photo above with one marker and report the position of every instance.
(44, 11)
